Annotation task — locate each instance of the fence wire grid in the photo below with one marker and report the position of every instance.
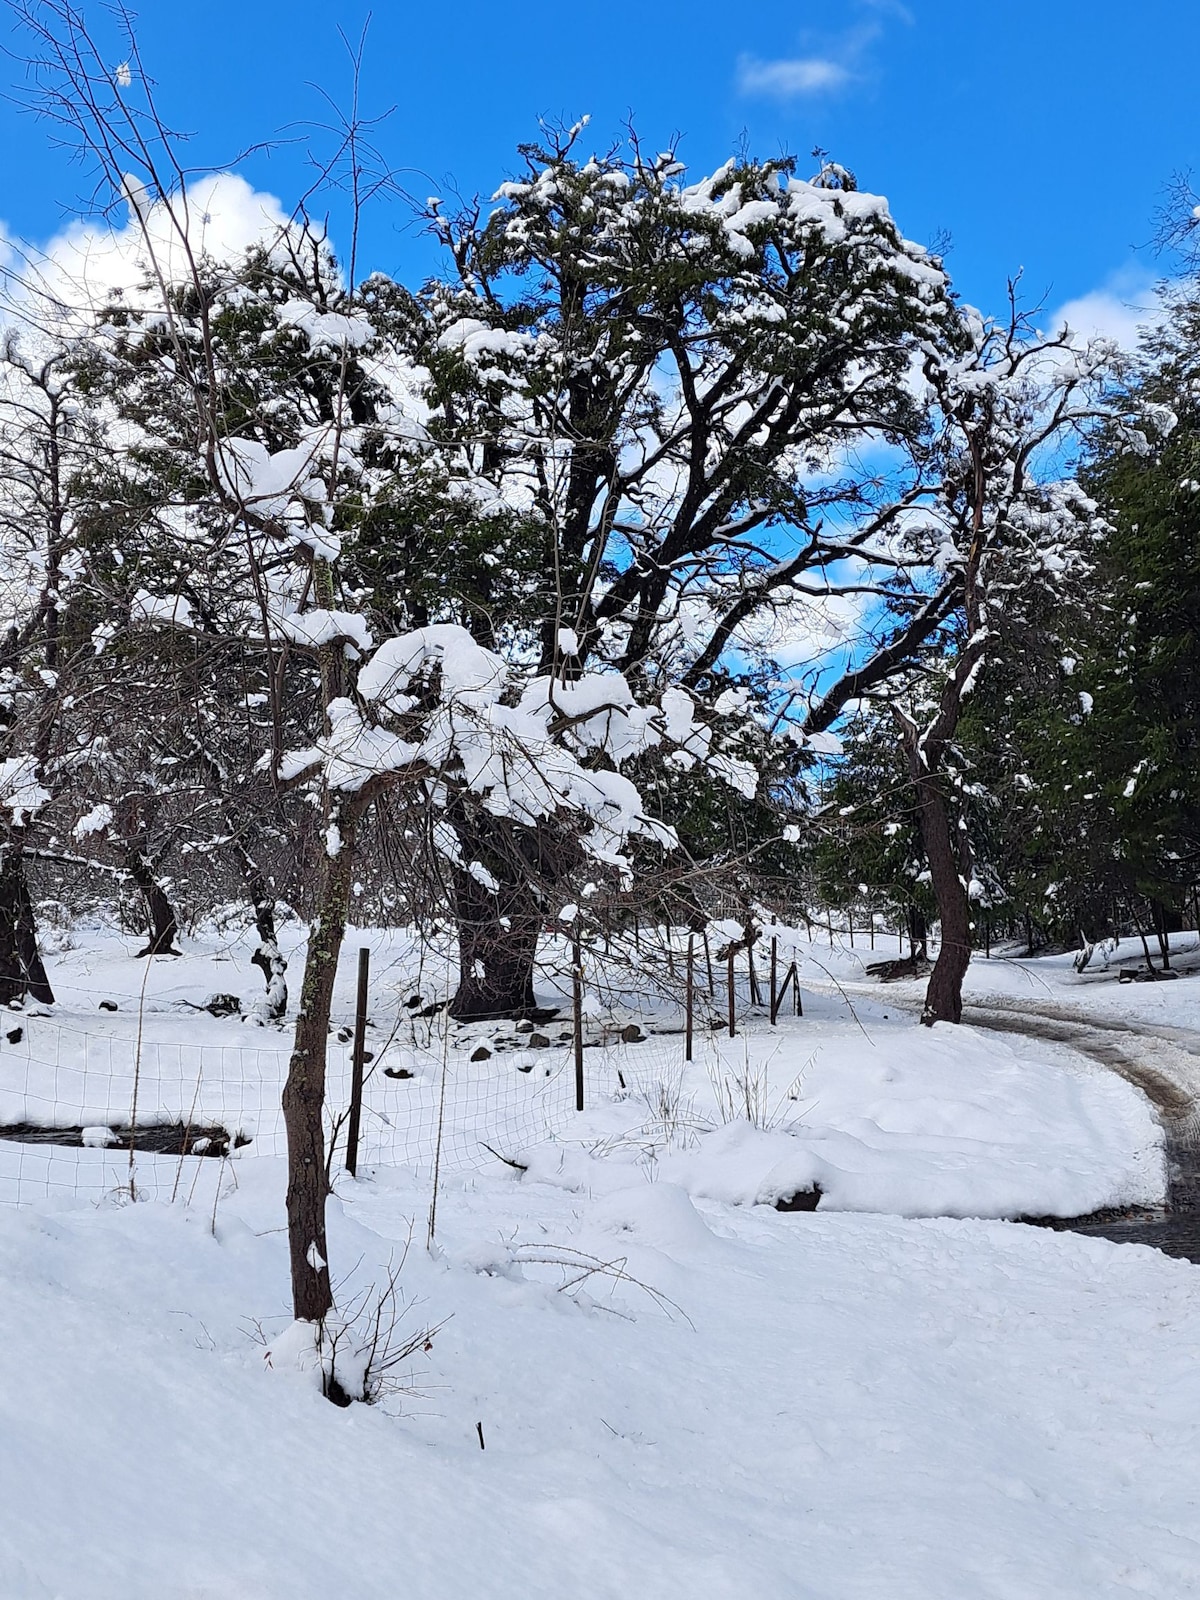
(82, 1111)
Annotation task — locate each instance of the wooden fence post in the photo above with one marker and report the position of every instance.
(774, 976)
(356, 1061)
(732, 997)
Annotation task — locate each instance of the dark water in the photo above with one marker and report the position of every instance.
(1174, 1230)
(1173, 1234)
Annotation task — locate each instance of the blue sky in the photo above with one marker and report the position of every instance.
(1035, 133)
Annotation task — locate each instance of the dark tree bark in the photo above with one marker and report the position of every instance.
(22, 972)
(498, 928)
(918, 933)
(304, 1092)
(497, 945)
(1165, 924)
(949, 870)
(130, 835)
(268, 958)
(164, 927)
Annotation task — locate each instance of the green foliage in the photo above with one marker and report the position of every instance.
(865, 842)
(1143, 649)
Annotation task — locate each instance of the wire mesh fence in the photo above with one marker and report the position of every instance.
(148, 1104)
(87, 1114)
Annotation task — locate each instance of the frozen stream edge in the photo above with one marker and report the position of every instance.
(1161, 1061)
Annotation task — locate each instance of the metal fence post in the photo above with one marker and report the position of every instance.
(577, 1013)
(356, 1061)
(691, 997)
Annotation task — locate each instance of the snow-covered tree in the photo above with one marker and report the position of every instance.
(671, 390)
(1003, 526)
(259, 417)
(1142, 671)
(45, 435)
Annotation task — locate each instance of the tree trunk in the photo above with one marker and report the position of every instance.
(1164, 925)
(498, 926)
(22, 971)
(943, 998)
(1141, 933)
(268, 958)
(304, 1092)
(497, 944)
(164, 928)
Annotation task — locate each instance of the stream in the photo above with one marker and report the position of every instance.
(1129, 1048)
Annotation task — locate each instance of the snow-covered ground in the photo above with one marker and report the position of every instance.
(850, 1097)
(1038, 981)
(1156, 1024)
(831, 1407)
(679, 1393)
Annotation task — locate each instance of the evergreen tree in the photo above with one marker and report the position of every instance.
(1141, 665)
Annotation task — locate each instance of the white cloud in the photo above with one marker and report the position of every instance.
(785, 80)
(804, 632)
(829, 62)
(890, 8)
(88, 260)
(1117, 310)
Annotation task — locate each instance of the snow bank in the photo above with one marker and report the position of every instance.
(820, 1407)
(891, 1118)
(682, 1395)
(883, 1115)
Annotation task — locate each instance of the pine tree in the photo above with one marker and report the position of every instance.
(1141, 665)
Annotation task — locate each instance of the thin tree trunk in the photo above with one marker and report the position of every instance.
(304, 1092)
(1137, 922)
(164, 928)
(1162, 931)
(268, 957)
(22, 972)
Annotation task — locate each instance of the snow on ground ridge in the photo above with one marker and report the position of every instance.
(728, 1402)
(880, 1115)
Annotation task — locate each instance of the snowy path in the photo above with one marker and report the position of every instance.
(1158, 1056)
(1162, 1061)
(1161, 1058)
